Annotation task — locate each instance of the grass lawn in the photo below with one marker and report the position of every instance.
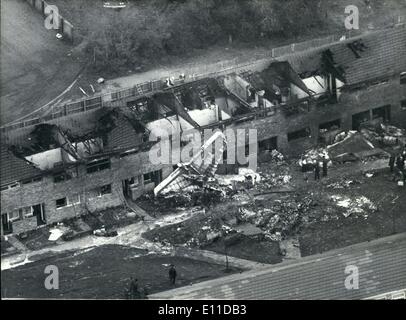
(104, 273)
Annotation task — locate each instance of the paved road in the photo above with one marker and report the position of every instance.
(381, 265)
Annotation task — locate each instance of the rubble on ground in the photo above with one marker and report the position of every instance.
(385, 135)
(343, 184)
(359, 206)
(279, 218)
(351, 143)
(246, 177)
(315, 154)
(57, 232)
(271, 180)
(277, 157)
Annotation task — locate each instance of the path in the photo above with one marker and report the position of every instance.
(129, 236)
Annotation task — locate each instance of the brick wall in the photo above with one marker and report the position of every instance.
(47, 192)
(350, 102)
(25, 225)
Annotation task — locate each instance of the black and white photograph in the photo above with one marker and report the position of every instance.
(219, 152)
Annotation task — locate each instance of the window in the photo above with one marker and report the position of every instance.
(68, 201)
(153, 177)
(105, 189)
(148, 177)
(61, 176)
(303, 133)
(60, 203)
(134, 181)
(28, 211)
(331, 125)
(14, 215)
(268, 144)
(381, 113)
(27, 181)
(360, 118)
(101, 191)
(74, 199)
(403, 105)
(10, 186)
(98, 165)
(403, 78)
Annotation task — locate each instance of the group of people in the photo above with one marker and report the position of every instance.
(397, 164)
(317, 166)
(134, 292)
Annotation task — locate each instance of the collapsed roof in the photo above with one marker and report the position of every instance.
(278, 75)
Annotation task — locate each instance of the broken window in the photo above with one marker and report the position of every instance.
(60, 203)
(381, 113)
(153, 177)
(148, 177)
(300, 134)
(359, 118)
(403, 78)
(62, 176)
(106, 189)
(98, 165)
(268, 144)
(403, 104)
(331, 125)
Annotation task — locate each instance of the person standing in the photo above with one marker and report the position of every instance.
(325, 165)
(316, 170)
(400, 163)
(172, 274)
(392, 162)
(133, 292)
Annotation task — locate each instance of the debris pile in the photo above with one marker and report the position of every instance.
(343, 184)
(348, 144)
(58, 231)
(246, 178)
(385, 135)
(272, 180)
(316, 154)
(280, 218)
(360, 206)
(277, 157)
(206, 196)
(197, 231)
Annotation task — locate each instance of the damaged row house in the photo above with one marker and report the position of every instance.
(99, 159)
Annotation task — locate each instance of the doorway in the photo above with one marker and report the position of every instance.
(38, 211)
